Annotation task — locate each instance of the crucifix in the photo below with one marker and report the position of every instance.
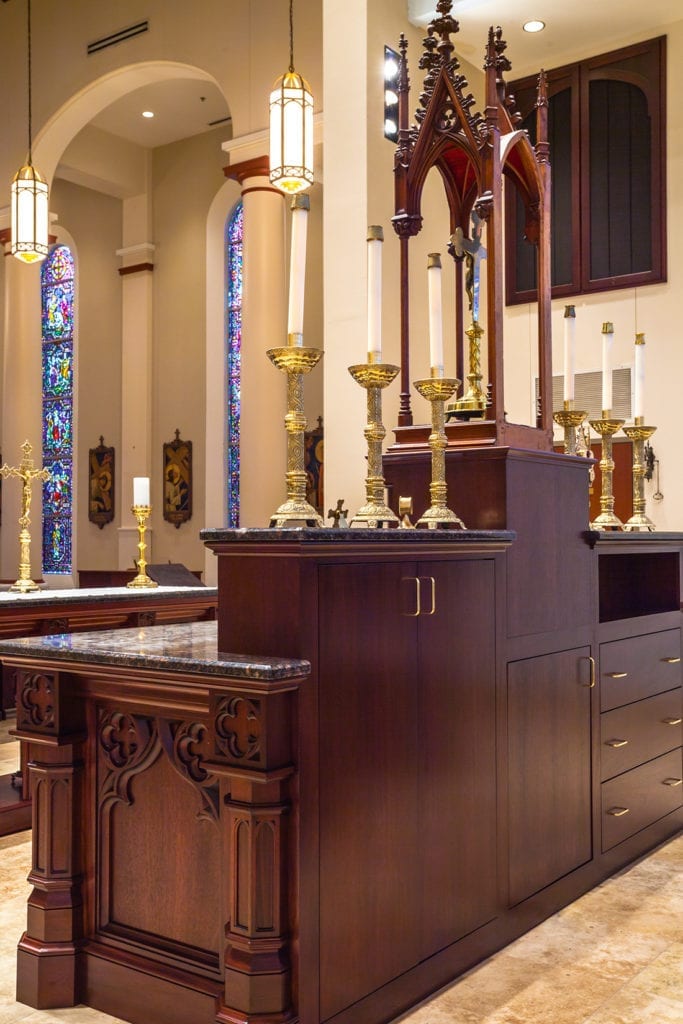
(474, 402)
(27, 473)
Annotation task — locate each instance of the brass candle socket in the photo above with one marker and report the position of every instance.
(569, 419)
(142, 580)
(374, 377)
(606, 427)
(437, 390)
(475, 400)
(638, 434)
(295, 361)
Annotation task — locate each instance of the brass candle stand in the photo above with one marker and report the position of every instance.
(295, 361)
(606, 427)
(570, 419)
(638, 434)
(374, 377)
(437, 391)
(142, 514)
(474, 401)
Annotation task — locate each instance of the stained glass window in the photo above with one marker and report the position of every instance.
(57, 293)
(233, 327)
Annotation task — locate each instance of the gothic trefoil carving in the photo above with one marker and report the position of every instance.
(238, 728)
(37, 702)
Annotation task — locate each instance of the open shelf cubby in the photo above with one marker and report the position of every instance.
(637, 584)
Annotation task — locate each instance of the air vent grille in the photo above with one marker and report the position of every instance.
(588, 393)
(118, 37)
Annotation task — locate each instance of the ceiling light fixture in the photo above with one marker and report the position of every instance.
(29, 196)
(148, 113)
(534, 25)
(291, 127)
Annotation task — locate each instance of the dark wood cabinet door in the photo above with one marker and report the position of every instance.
(369, 844)
(549, 775)
(457, 813)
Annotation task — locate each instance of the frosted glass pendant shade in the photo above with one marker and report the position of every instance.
(29, 212)
(291, 134)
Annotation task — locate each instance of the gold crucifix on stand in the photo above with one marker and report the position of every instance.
(27, 473)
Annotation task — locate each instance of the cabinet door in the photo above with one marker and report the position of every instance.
(369, 878)
(549, 769)
(457, 813)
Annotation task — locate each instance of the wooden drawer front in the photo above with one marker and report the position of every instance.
(639, 732)
(641, 796)
(638, 667)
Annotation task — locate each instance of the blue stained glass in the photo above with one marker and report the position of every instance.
(61, 265)
(57, 490)
(58, 369)
(234, 268)
(57, 428)
(57, 545)
(58, 310)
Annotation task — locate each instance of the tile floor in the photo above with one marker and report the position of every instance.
(615, 956)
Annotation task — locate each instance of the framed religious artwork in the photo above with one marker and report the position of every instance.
(102, 477)
(177, 481)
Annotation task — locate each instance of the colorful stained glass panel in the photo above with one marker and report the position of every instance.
(234, 268)
(58, 369)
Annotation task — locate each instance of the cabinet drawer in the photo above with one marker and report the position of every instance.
(638, 667)
(639, 797)
(639, 732)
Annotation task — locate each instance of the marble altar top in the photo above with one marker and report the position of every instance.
(98, 595)
(186, 647)
(328, 535)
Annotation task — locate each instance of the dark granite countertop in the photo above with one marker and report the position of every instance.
(326, 535)
(627, 537)
(102, 595)
(188, 647)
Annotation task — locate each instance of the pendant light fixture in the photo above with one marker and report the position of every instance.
(291, 127)
(29, 201)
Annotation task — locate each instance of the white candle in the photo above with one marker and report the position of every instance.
(569, 350)
(297, 264)
(141, 490)
(638, 404)
(375, 240)
(607, 338)
(435, 311)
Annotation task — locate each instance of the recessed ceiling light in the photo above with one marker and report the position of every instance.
(148, 113)
(534, 26)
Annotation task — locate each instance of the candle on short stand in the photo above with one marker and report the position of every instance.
(141, 490)
(435, 312)
(297, 268)
(607, 338)
(375, 240)
(638, 404)
(569, 350)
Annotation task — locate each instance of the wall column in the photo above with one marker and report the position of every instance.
(22, 409)
(264, 326)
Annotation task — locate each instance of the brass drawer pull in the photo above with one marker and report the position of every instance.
(616, 743)
(432, 582)
(671, 721)
(616, 675)
(591, 678)
(415, 580)
(671, 661)
(618, 812)
(672, 782)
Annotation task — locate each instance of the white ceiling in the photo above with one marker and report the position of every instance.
(573, 27)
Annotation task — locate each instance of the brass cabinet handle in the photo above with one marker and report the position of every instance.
(414, 615)
(671, 721)
(591, 679)
(616, 675)
(618, 812)
(671, 661)
(672, 782)
(616, 743)
(433, 586)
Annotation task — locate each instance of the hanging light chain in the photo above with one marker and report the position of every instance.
(291, 34)
(30, 157)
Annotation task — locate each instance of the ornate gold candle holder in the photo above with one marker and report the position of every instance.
(437, 391)
(570, 419)
(142, 514)
(606, 427)
(27, 473)
(638, 434)
(295, 361)
(475, 400)
(374, 377)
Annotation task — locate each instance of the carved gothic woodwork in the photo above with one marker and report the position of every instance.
(473, 153)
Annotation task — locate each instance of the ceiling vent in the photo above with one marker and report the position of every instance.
(118, 37)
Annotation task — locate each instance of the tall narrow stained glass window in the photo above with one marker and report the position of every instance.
(233, 291)
(57, 300)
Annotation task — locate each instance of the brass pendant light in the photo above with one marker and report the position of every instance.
(291, 127)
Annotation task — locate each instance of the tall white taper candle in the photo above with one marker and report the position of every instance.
(569, 351)
(375, 241)
(638, 402)
(607, 338)
(435, 311)
(141, 490)
(297, 264)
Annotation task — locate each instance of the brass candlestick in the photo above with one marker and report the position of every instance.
(142, 514)
(569, 419)
(295, 361)
(606, 427)
(638, 434)
(474, 401)
(374, 377)
(27, 473)
(437, 390)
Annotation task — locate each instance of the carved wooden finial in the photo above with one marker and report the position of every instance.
(542, 147)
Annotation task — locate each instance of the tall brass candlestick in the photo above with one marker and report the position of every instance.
(374, 377)
(606, 427)
(569, 419)
(27, 473)
(295, 361)
(638, 435)
(142, 514)
(437, 391)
